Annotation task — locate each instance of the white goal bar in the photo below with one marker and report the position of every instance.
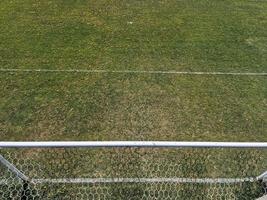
(146, 144)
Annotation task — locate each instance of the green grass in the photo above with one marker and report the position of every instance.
(119, 107)
(205, 35)
(181, 35)
(185, 35)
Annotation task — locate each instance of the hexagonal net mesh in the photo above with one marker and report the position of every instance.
(131, 173)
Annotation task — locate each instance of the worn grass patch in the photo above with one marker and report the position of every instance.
(119, 107)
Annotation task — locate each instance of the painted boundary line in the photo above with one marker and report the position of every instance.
(135, 72)
(139, 180)
(145, 180)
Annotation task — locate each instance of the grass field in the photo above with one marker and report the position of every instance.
(228, 36)
(186, 35)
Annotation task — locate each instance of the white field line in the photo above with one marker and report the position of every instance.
(135, 72)
(140, 180)
(144, 180)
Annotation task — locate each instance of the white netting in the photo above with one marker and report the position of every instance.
(132, 173)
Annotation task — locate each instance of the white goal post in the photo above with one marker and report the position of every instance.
(143, 144)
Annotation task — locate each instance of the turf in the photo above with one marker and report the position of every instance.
(186, 35)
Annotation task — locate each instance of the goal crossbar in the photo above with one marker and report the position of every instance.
(141, 144)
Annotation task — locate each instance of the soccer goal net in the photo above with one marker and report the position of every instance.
(132, 170)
